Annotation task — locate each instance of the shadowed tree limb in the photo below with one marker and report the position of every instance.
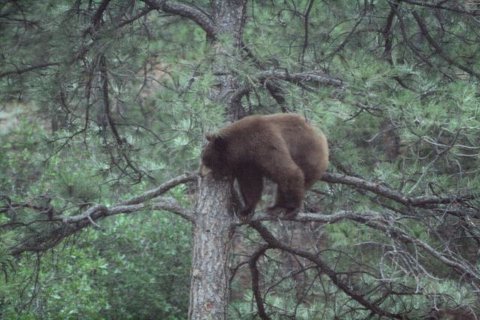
(438, 48)
(275, 243)
(382, 223)
(252, 263)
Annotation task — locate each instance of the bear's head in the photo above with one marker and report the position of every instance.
(214, 156)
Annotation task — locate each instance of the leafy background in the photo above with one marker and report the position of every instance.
(407, 117)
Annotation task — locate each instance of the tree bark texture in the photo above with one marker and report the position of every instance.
(213, 229)
(212, 234)
(229, 17)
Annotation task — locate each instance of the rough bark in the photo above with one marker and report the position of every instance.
(229, 19)
(213, 228)
(212, 234)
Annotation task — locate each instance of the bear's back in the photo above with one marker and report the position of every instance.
(252, 137)
(307, 145)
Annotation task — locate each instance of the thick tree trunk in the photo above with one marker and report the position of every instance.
(212, 235)
(214, 221)
(229, 16)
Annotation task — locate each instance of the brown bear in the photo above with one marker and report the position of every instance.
(282, 147)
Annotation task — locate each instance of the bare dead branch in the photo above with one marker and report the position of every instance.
(275, 243)
(64, 226)
(382, 190)
(387, 31)
(348, 37)
(107, 111)
(460, 266)
(379, 222)
(306, 24)
(403, 30)
(171, 205)
(186, 11)
(134, 18)
(252, 263)
(314, 76)
(91, 213)
(97, 19)
(164, 187)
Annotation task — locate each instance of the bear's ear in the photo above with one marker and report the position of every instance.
(210, 136)
(218, 141)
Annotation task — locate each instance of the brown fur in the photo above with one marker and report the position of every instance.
(281, 147)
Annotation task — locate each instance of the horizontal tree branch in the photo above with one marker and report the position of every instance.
(317, 77)
(381, 223)
(438, 5)
(382, 190)
(377, 221)
(264, 77)
(68, 225)
(459, 265)
(64, 226)
(324, 218)
(19, 71)
(164, 187)
(100, 211)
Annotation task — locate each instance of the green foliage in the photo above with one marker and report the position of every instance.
(57, 286)
(136, 268)
(407, 119)
(149, 260)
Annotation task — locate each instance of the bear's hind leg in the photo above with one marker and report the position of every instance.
(290, 191)
(250, 182)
